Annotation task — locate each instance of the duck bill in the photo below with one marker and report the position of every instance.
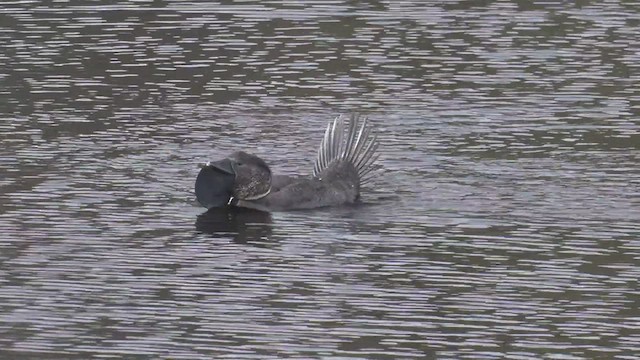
(214, 184)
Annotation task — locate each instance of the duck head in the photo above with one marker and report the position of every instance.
(241, 176)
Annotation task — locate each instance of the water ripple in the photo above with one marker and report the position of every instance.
(501, 224)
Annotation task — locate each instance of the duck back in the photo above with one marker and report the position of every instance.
(336, 185)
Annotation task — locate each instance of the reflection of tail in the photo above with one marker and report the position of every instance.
(357, 146)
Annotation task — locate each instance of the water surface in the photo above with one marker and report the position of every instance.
(503, 222)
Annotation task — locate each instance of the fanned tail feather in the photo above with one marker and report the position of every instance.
(356, 145)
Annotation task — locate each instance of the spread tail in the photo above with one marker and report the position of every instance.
(356, 145)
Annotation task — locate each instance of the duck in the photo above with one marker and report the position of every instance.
(345, 161)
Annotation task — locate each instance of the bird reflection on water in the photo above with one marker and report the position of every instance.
(243, 225)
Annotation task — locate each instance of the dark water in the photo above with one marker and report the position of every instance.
(504, 222)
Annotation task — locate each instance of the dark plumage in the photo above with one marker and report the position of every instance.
(344, 162)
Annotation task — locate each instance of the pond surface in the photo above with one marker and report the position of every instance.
(503, 222)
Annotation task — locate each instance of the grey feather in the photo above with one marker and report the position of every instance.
(353, 143)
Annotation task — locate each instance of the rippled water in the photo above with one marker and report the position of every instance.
(504, 222)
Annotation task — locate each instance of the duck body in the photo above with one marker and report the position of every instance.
(338, 185)
(344, 160)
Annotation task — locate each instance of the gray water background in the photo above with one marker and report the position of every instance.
(504, 221)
